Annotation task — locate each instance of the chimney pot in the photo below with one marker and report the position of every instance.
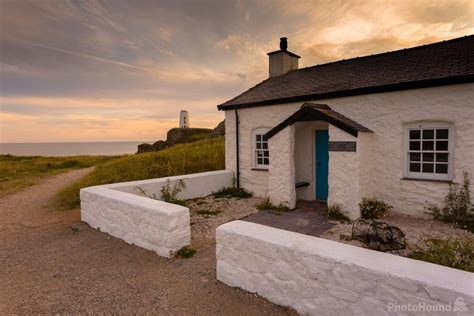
(283, 43)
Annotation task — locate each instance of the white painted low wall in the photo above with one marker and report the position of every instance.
(321, 277)
(120, 210)
(197, 184)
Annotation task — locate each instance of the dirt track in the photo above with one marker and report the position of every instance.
(52, 263)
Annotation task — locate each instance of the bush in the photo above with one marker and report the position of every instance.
(170, 195)
(457, 207)
(371, 208)
(456, 253)
(335, 212)
(233, 192)
(186, 252)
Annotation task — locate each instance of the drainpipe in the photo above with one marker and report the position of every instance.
(237, 145)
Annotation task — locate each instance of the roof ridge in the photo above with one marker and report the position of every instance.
(386, 53)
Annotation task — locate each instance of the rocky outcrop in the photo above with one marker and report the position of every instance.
(159, 145)
(219, 130)
(181, 136)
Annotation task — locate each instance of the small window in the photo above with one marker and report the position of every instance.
(261, 153)
(429, 151)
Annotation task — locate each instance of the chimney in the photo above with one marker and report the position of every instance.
(282, 61)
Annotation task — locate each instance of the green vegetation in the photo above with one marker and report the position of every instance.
(233, 192)
(456, 253)
(371, 208)
(208, 212)
(18, 172)
(170, 195)
(267, 205)
(181, 159)
(186, 252)
(457, 208)
(336, 213)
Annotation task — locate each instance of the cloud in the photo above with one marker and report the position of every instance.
(113, 70)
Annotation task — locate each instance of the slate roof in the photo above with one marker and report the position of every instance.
(442, 63)
(320, 112)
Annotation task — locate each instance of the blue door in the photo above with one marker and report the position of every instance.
(322, 158)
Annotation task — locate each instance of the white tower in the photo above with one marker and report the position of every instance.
(183, 119)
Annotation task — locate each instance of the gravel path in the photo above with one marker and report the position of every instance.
(52, 263)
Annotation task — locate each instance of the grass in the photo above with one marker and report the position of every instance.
(18, 172)
(208, 212)
(205, 155)
(267, 205)
(456, 253)
(335, 212)
(233, 192)
(186, 252)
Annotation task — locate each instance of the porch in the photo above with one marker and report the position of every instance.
(322, 149)
(308, 218)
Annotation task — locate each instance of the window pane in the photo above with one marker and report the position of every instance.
(428, 157)
(428, 145)
(442, 168)
(415, 167)
(428, 134)
(265, 153)
(265, 161)
(415, 134)
(415, 156)
(442, 133)
(442, 145)
(265, 145)
(259, 145)
(428, 167)
(259, 153)
(414, 145)
(442, 157)
(259, 138)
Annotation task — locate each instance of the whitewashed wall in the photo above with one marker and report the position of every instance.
(385, 114)
(281, 186)
(124, 212)
(322, 277)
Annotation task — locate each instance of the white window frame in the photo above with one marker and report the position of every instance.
(406, 153)
(260, 131)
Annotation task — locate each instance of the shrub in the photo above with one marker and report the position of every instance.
(186, 252)
(456, 253)
(233, 192)
(267, 205)
(335, 212)
(371, 208)
(170, 195)
(457, 207)
(167, 194)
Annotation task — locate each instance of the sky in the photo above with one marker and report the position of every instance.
(117, 70)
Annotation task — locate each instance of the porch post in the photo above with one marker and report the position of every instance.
(281, 180)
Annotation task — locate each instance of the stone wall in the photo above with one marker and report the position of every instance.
(124, 212)
(322, 277)
(150, 224)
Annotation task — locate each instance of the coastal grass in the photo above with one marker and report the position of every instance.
(205, 155)
(18, 172)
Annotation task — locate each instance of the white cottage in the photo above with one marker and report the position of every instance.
(398, 126)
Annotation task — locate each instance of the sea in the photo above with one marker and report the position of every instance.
(70, 149)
